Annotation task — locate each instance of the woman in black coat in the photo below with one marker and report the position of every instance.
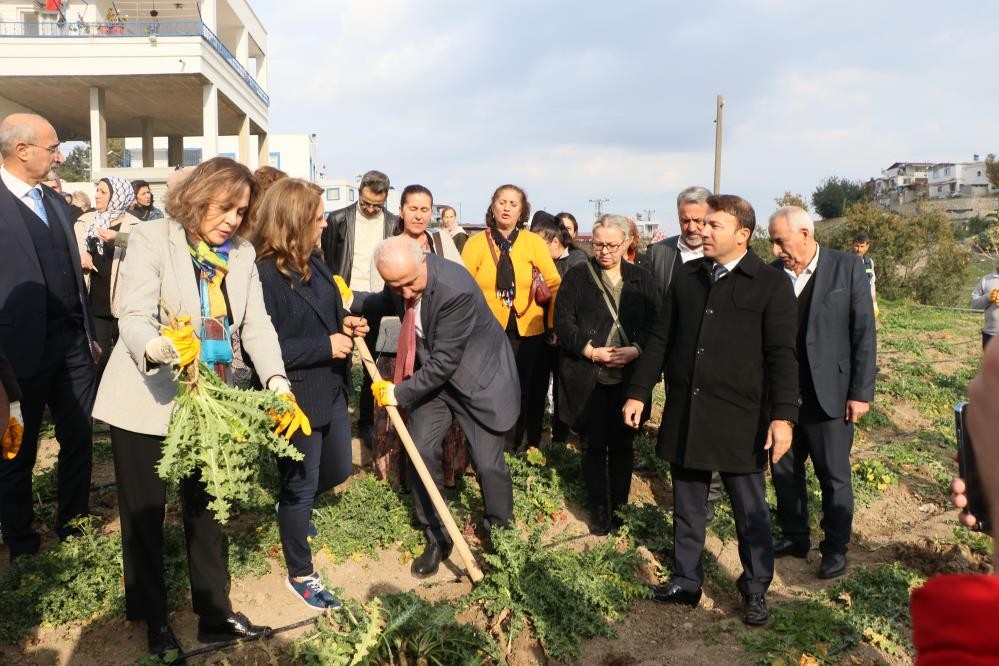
(308, 315)
(598, 355)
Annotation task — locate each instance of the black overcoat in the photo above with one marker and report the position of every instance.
(728, 347)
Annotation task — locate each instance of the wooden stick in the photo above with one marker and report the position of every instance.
(428, 482)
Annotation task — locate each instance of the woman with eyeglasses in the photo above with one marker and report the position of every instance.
(504, 260)
(603, 315)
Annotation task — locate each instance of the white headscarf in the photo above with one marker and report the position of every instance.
(121, 199)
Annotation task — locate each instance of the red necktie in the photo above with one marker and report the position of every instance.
(406, 355)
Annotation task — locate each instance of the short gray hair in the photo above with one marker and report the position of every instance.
(693, 195)
(396, 246)
(797, 218)
(609, 221)
(13, 133)
(375, 181)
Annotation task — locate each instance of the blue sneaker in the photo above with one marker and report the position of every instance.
(311, 533)
(313, 593)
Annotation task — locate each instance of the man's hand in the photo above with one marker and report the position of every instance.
(346, 295)
(632, 412)
(384, 392)
(10, 443)
(779, 437)
(355, 327)
(960, 500)
(341, 345)
(622, 356)
(855, 409)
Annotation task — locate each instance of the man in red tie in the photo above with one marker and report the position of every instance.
(454, 362)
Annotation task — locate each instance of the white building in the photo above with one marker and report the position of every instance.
(192, 68)
(957, 179)
(340, 193)
(901, 182)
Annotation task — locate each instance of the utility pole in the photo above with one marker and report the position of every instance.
(598, 205)
(719, 112)
(648, 214)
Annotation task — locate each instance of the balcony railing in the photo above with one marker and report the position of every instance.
(147, 29)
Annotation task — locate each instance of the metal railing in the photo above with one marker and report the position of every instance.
(147, 29)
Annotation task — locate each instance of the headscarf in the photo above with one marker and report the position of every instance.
(506, 281)
(121, 199)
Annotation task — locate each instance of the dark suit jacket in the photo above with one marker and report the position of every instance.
(23, 315)
(662, 260)
(304, 321)
(727, 346)
(465, 355)
(338, 239)
(840, 336)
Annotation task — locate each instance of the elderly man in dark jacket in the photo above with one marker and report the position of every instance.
(727, 333)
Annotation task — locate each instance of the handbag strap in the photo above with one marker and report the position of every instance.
(438, 243)
(610, 303)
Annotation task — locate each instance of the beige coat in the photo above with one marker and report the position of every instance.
(158, 277)
(128, 222)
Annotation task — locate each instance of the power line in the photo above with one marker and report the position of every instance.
(598, 205)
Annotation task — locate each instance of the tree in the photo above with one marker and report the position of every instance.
(916, 255)
(992, 169)
(835, 195)
(76, 168)
(791, 199)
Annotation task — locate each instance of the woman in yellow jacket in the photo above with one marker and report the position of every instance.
(503, 260)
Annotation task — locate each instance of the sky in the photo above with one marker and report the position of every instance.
(577, 101)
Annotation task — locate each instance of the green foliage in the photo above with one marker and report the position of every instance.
(877, 601)
(834, 196)
(801, 627)
(394, 629)
(366, 517)
(76, 168)
(791, 199)
(567, 596)
(871, 477)
(538, 493)
(979, 543)
(992, 169)
(78, 579)
(646, 458)
(651, 526)
(220, 433)
(916, 256)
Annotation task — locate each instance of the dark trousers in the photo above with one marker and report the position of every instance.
(428, 421)
(366, 401)
(67, 383)
(828, 443)
(752, 528)
(529, 352)
(141, 501)
(106, 333)
(549, 368)
(985, 338)
(327, 464)
(608, 459)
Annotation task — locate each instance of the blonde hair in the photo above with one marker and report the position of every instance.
(81, 200)
(284, 230)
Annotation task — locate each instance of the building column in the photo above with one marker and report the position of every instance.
(263, 150)
(242, 52)
(209, 15)
(175, 150)
(261, 76)
(210, 120)
(244, 141)
(98, 133)
(148, 151)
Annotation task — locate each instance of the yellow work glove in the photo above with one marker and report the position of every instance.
(291, 420)
(10, 443)
(994, 296)
(384, 392)
(346, 295)
(187, 344)
(877, 310)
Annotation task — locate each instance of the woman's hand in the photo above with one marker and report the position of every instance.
(107, 235)
(86, 261)
(602, 355)
(341, 345)
(622, 356)
(356, 327)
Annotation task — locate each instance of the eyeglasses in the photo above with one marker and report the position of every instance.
(610, 247)
(53, 149)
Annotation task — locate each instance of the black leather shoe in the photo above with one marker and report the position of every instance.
(754, 610)
(833, 565)
(163, 644)
(236, 626)
(429, 561)
(600, 521)
(674, 594)
(785, 547)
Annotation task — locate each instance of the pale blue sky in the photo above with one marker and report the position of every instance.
(583, 100)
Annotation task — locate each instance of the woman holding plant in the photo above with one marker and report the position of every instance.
(305, 306)
(187, 276)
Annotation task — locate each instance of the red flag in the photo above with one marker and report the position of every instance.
(53, 5)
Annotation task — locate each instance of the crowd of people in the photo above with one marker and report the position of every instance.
(766, 363)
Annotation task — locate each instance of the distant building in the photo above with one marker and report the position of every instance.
(339, 193)
(902, 182)
(959, 179)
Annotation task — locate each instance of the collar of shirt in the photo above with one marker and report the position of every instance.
(18, 187)
(730, 266)
(457, 230)
(799, 281)
(565, 253)
(688, 253)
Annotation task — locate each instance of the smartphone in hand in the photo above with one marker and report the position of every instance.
(977, 505)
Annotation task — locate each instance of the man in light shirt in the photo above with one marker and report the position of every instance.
(836, 359)
(985, 296)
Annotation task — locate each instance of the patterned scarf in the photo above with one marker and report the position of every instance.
(121, 199)
(506, 280)
(213, 262)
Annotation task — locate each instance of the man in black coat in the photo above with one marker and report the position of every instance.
(45, 329)
(348, 242)
(837, 346)
(463, 369)
(727, 335)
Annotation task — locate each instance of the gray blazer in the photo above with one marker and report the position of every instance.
(662, 259)
(465, 355)
(158, 277)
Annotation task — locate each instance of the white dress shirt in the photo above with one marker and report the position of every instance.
(688, 253)
(799, 281)
(19, 188)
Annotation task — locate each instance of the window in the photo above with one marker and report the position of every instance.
(351, 194)
(192, 156)
(275, 159)
(332, 193)
(231, 156)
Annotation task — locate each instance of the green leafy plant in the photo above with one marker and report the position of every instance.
(872, 477)
(530, 583)
(651, 526)
(220, 432)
